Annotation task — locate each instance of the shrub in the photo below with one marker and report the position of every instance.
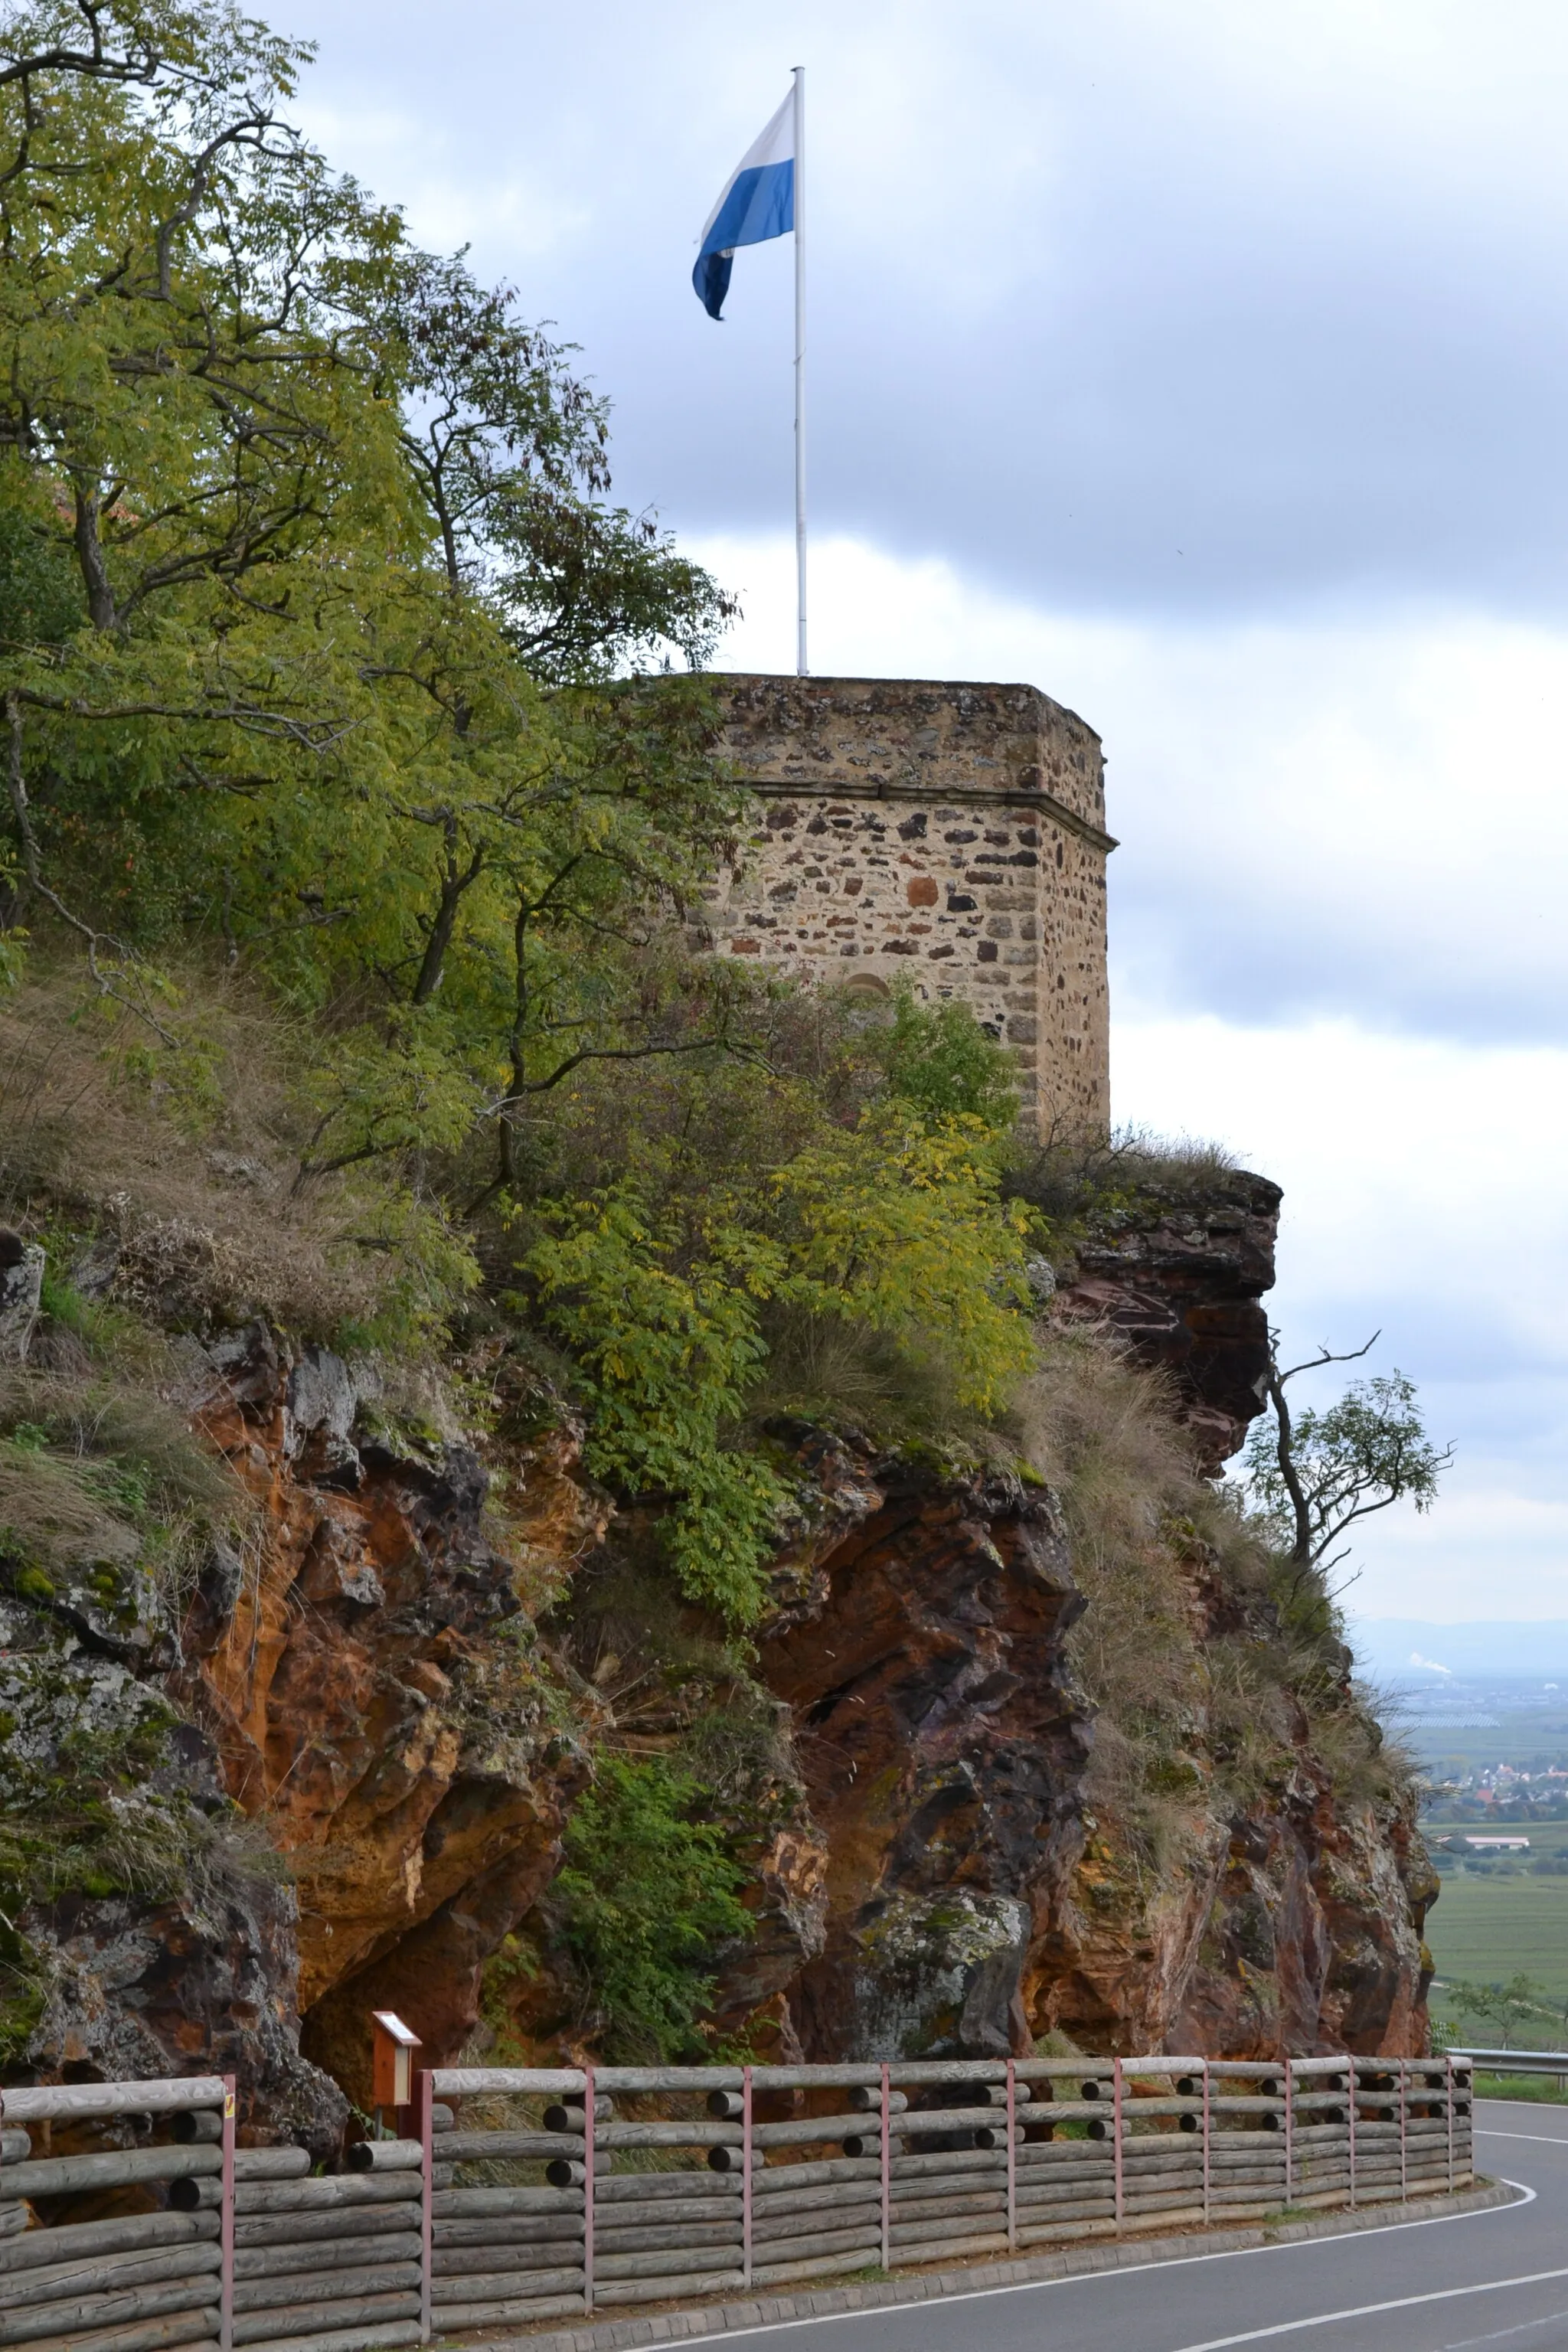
(1211, 1660)
(939, 1059)
(886, 1229)
(647, 1898)
(1081, 1185)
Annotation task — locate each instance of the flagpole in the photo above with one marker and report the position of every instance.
(800, 661)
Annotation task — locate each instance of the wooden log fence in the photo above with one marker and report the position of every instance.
(515, 2196)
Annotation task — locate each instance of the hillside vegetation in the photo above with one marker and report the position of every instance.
(361, 792)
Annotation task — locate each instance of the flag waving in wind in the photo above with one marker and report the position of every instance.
(758, 202)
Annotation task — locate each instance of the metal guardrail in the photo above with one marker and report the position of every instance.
(514, 2196)
(1514, 2062)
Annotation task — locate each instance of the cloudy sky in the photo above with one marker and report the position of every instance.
(1207, 366)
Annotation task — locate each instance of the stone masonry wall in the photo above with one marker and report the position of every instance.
(952, 834)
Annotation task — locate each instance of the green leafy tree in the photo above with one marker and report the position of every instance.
(283, 502)
(510, 450)
(670, 1344)
(940, 1059)
(888, 1227)
(1511, 2007)
(1316, 1473)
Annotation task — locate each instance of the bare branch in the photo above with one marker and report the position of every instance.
(1326, 1355)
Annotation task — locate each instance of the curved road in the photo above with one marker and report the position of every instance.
(1471, 2283)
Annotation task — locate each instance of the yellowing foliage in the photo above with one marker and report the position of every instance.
(890, 1225)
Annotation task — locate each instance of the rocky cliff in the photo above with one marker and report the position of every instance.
(1178, 1275)
(1040, 1752)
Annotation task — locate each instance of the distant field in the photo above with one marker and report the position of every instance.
(1522, 1736)
(1488, 1931)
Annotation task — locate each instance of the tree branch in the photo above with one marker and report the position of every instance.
(1326, 1356)
(32, 866)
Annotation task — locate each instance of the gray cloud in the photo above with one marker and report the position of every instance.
(1130, 307)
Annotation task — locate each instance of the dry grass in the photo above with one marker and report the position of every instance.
(1078, 1184)
(1210, 1671)
(1103, 1433)
(166, 1172)
(844, 1375)
(50, 1516)
(102, 1419)
(97, 1474)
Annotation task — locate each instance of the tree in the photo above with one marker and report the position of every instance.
(292, 656)
(1319, 1471)
(1509, 2007)
(892, 1227)
(509, 448)
(938, 1058)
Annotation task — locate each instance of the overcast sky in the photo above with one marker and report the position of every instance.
(1207, 367)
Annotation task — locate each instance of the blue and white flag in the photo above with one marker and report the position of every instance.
(758, 201)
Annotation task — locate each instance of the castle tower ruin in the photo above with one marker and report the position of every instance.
(950, 834)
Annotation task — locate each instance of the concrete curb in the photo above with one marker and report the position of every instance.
(703, 2320)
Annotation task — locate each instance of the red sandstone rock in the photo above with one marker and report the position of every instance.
(366, 1702)
(1178, 1283)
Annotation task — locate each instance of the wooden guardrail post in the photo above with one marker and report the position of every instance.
(887, 2174)
(1448, 2105)
(1353, 2089)
(1403, 2080)
(1012, 2158)
(746, 2173)
(590, 2142)
(424, 2105)
(1289, 2131)
(1206, 2147)
(226, 2224)
(1116, 2131)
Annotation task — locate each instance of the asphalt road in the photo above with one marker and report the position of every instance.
(1471, 2283)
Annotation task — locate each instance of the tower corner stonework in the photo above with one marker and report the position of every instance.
(951, 837)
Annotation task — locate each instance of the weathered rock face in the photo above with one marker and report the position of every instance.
(941, 1745)
(195, 1970)
(21, 1285)
(973, 1906)
(369, 1695)
(929, 1873)
(1180, 1282)
(194, 1984)
(1291, 1927)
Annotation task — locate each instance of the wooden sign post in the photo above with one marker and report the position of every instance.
(392, 2065)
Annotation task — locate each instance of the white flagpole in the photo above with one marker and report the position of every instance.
(800, 661)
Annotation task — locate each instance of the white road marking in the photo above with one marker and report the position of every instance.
(1373, 2310)
(1470, 2342)
(1538, 2139)
(1524, 2195)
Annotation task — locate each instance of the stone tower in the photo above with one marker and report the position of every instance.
(953, 836)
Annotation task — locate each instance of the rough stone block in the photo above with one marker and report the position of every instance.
(920, 795)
